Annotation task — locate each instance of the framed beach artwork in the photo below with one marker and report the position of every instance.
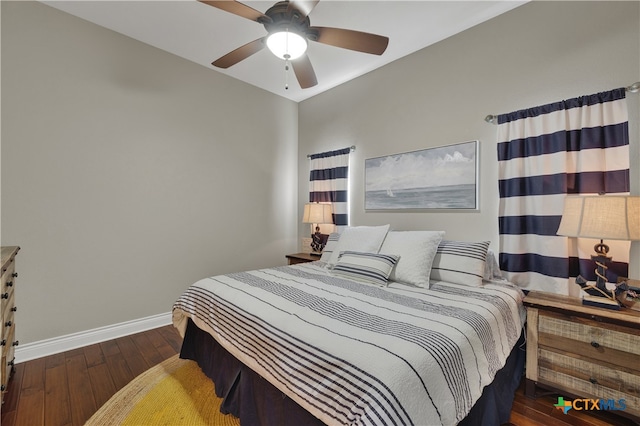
(444, 177)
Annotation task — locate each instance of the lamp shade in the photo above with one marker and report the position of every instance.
(611, 217)
(317, 213)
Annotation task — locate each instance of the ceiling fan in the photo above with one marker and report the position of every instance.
(288, 29)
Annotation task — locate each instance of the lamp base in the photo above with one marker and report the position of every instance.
(318, 241)
(601, 302)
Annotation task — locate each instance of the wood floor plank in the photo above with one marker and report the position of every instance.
(33, 377)
(110, 348)
(170, 333)
(93, 355)
(81, 397)
(30, 407)
(10, 405)
(136, 362)
(55, 360)
(163, 347)
(101, 383)
(31, 400)
(119, 370)
(147, 349)
(57, 406)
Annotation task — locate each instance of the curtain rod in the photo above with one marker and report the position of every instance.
(634, 88)
(352, 147)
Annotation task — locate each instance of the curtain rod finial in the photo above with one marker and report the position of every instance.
(634, 88)
(491, 119)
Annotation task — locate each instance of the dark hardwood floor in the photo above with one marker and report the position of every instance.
(67, 388)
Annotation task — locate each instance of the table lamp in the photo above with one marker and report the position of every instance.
(611, 217)
(317, 214)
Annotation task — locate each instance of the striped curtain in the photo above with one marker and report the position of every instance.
(329, 183)
(575, 146)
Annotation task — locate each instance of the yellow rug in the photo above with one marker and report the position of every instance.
(175, 392)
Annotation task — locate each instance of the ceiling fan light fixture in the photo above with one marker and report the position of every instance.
(287, 45)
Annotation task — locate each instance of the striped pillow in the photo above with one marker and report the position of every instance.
(460, 262)
(369, 268)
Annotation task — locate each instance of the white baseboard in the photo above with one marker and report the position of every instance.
(56, 345)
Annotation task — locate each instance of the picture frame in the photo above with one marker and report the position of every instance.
(444, 177)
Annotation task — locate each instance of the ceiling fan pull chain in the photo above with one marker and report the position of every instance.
(286, 62)
(286, 74)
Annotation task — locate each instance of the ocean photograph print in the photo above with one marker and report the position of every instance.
(444, 177)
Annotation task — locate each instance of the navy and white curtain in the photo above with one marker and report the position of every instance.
(575, 146)
(329, 183)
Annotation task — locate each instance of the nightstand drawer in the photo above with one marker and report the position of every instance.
(614, 345)
(577, 375)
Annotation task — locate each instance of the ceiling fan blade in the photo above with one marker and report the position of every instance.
(239, 54)
(304, 6)
(352, 40)
(236, 8)
(304, 72)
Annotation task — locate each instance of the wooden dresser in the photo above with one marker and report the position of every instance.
(8, 340)
(583, 352)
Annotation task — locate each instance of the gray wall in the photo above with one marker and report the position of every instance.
(129, 173)
(538, 53)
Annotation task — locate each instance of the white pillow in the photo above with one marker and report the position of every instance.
(369, 268)
(460, 262)
(329, 248)
(416, 250)
(366, 239)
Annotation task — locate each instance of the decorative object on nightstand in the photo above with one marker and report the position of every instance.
(630, 297)
(611, 217)
(8, 343)
(318, 214)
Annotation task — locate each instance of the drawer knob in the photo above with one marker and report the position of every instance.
(4, 296)
(11, 363)
(9, 284)
(2, 388)
(595, 344)
(16, 343)
(3, 343)
(14, 309)
(593, 381)
(8, 324)
(14, 275)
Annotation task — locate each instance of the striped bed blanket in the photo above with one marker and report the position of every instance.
(352, 353)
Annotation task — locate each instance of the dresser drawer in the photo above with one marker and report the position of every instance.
(8, 326)
(8, 357)
(7, 284)
(607, 343)
(8, 315)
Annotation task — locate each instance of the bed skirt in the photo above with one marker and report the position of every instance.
(257, 402)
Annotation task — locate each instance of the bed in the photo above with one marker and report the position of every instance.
(317, 343)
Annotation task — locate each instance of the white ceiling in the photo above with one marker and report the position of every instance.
(201, 33)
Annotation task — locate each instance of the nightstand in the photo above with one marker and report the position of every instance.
(302, 258)
(583, 351)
